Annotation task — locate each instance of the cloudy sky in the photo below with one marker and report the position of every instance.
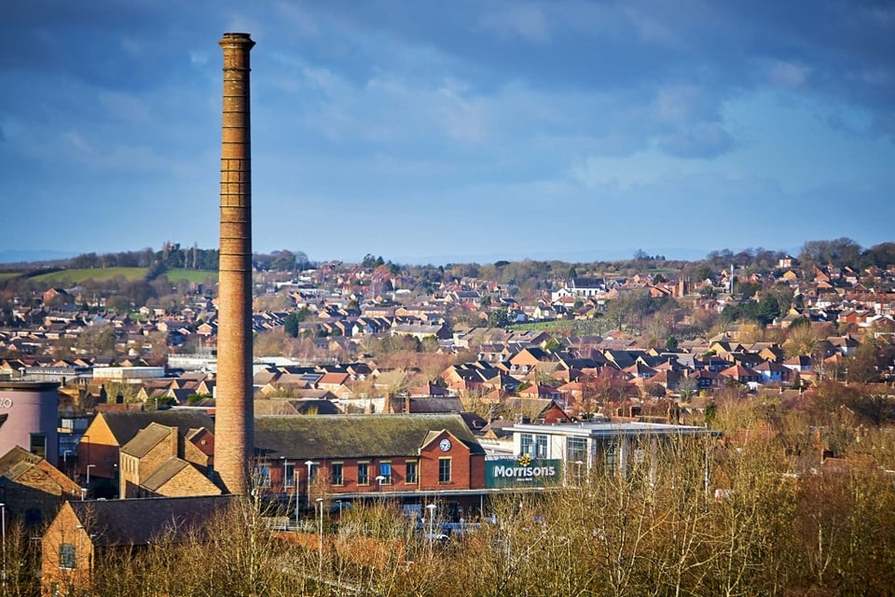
(425, 130)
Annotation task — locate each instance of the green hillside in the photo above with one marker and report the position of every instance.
(76, 276)
(191, 275)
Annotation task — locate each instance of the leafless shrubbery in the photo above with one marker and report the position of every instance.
(663, 528)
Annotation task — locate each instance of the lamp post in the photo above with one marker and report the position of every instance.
(339, 502)
(309, 464)
(320, 535)
(286, 465)
(89, 466)
(3, 516)
(86, 450)
(431, 508)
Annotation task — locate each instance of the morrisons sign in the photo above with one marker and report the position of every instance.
(522, 472)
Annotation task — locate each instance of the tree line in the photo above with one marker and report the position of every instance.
(175, 256)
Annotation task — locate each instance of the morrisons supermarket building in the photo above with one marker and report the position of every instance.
(418, 459)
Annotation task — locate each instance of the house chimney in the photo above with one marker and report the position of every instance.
(234, 413)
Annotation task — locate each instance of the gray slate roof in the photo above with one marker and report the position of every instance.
(125, 425)
(145, 440)
(354, 436)
(138, 521)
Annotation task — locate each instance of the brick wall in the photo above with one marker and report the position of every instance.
(161, 452)
(200, 449)
(64, 529)
(467, 471)
(129, 475)
(430, 455)
(100, 448)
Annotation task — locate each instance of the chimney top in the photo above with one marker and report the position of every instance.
(237, 38)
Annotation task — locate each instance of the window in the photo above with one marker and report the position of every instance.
(288, 474)
(610, 454)
(67, 556)
(541, 446)
(335, 473)
(410, 473)
(576, 449)
(363, 473)
(312, 471)
(527, 444)
(444, 470)
(385, 471)
(38, 444)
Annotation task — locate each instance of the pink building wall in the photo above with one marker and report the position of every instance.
(29, 407)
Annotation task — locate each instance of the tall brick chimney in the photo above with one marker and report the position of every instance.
(234, 413)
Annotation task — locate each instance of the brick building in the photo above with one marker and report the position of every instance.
(356, 456)
(167, 461)
(31, 488)
(109, 431)
(83, 530)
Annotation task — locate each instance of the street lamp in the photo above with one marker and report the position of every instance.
(81, 439)
(3, 515)
(89, 466)
(320, 535)
(431, 508)
(309, 464)
(380, 479)
(339, 502)
(286, 465)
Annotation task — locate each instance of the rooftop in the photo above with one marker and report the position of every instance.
(598, 429)
(354, 436)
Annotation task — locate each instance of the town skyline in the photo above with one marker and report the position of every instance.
(541, 298)
(623, 126)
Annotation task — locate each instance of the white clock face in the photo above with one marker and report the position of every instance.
(445, 445)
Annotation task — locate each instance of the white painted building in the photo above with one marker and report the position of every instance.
(583, 445)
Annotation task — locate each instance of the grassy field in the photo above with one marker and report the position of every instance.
(76, 276)
(9, 275)
(546, 326)
(574, 327)
(191, 275)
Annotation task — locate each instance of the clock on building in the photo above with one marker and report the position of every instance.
(445, 445)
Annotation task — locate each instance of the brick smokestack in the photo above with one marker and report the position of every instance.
(234, 413)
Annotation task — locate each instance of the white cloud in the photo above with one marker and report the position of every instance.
(788, 74)
(198, 58)
(518, 20)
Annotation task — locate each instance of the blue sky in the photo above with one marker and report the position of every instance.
(469, 129)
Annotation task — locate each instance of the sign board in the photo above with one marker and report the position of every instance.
(522, 472)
